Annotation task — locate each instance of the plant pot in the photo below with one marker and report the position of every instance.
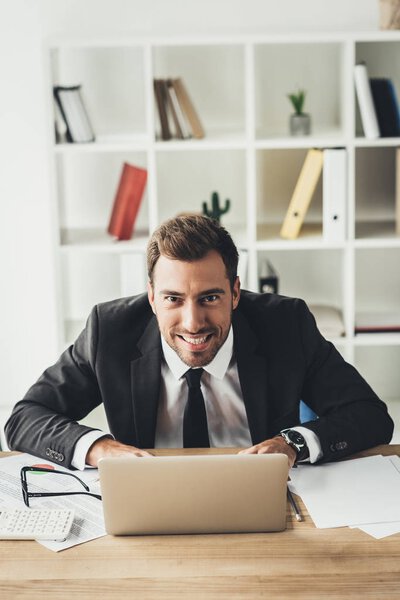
(300, 124)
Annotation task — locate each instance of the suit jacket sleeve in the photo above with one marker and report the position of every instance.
(351, 416)
(44, 423)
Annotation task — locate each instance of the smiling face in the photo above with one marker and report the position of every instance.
(193, 302)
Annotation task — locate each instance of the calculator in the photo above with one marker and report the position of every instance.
(32, 524)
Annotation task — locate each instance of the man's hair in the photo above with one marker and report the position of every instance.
(190, 238)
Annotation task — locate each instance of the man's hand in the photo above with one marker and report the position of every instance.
(108, 447)
(276, 445)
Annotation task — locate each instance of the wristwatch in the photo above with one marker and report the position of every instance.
(297, 441)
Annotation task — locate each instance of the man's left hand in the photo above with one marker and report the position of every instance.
(276, 445)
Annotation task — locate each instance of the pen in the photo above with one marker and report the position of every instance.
(294, 506)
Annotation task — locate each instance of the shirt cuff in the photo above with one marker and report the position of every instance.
(313, 444)
(82, 447)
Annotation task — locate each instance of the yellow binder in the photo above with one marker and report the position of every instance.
(302, 195)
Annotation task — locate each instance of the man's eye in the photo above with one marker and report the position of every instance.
(211, 298)
(171, 299)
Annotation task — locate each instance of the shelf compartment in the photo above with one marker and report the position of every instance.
(91, 278)
(87, 187)
(375, 193)
(113, 84)
(377, 282)
(214, 77)
(382, 60)
(218, 170)
(87, 280)
(277, 172)
(317, 278)
(380, 367)
(318, 68)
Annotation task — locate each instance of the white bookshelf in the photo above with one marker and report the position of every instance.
(239, 86)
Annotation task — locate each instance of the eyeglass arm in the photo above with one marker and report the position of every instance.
(44, 470)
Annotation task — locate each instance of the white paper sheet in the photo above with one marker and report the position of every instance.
(354, 492)
(88, 522)
(380, 530)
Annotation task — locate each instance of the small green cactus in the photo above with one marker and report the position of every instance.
(216, 210)
(297, 99)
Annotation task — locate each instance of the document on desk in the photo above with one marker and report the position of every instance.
(381, 530)
(88, 522)
(357, 492)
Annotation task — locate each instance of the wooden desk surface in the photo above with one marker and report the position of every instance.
(300, 563)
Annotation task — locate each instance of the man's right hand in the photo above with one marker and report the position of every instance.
(109, 447)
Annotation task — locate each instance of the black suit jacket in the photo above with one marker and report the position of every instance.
(281, 357)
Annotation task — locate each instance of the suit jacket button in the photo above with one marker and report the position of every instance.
(61, 457)
(48, 452)
(341, 445)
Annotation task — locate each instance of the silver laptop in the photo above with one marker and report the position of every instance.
(194, 494)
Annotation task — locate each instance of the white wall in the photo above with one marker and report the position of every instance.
(27, 311)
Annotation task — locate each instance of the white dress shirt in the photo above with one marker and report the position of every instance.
(226, 413)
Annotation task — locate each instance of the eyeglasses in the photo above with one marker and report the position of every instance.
(26, 494)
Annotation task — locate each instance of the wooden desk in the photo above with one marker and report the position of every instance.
(300, 563)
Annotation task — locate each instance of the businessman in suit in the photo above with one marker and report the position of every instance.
(253, 356)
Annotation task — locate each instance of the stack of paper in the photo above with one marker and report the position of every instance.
(361, 493)
(88, 522)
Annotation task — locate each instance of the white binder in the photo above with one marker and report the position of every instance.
(334, 189)
(365, 102)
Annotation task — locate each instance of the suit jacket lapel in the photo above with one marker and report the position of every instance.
(145, 382)
(252, 376)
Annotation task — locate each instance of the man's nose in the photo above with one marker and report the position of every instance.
(193, 317)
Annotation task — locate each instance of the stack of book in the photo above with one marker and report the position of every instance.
(178, 116)
(377, 100)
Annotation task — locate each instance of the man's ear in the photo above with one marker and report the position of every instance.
(236, 293)
(150, 295)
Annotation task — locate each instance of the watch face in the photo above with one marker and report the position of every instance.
(295, 437)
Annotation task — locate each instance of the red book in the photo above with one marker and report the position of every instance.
(127, 201)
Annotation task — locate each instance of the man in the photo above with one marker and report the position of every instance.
(195, 361)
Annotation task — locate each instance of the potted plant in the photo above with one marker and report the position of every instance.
(300, 122)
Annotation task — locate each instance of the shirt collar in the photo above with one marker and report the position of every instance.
(217, 367)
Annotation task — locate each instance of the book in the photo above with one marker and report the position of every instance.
(302, 195)
(127, 201)
(386, 106)
(72, 108)
(377, 322)
(60, 126)
(365, 102)
(334, 193)
(181, 127)
(397, 207)
(268, 282)
(329, 320)
(188, 109)
(161, 101)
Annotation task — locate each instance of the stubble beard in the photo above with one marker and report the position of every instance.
(199, 361)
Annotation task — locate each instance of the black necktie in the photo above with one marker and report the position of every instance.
(195, 432)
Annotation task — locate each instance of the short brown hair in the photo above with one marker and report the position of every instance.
(189, 238)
